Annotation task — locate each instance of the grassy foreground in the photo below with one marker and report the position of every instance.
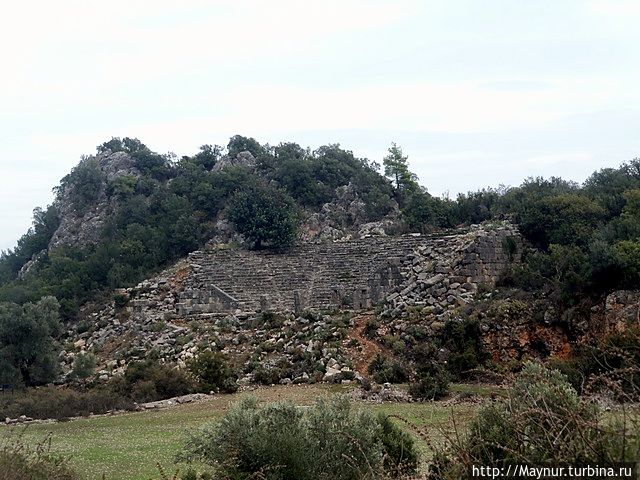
(128, 446)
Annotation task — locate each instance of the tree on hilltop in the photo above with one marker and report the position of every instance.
(264, 214)
(396, 168)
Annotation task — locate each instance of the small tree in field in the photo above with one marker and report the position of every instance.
(264, 215)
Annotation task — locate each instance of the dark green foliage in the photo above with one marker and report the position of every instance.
(120, 300)
(122, 186)
(19, 461)
(45, 223)
(60, 403)
(128, 145)
(213, 373)
(432, 382)
(397, 169)
(543, 421)
(282, 441)
(28, 353)
(83, 366)
(476, 207)
(463, 340)
(208, 156)
(400, 453)
(84, 184)
(264, 215)
(297, 177)
(238, 144)
(388, 370)
(423, 212)
(567, 219)
(268, 375)
(148, 380)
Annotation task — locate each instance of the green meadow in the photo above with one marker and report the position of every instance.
(129, 446)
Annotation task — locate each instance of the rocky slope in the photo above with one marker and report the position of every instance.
(291, 313)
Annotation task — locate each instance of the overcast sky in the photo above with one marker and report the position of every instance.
(478, 93)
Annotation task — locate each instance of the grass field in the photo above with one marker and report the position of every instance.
(128, 446)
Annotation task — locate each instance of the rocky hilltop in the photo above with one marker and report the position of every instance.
(305, 265)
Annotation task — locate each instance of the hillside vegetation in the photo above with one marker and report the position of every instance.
(584, 240)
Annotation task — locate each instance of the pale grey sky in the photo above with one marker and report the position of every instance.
(477, 93)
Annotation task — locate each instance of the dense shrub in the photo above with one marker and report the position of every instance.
(45, 223)
(282, 441)
(400, 453)
(271, 374)
(149, 380)
(432, 382)
(83, 366)
(463, 339)
(22, 462)
(28, 353)
(384, 369)
(543, 421)
(83, 184)
(264, 215)
(60, 403)
(120, 300)
(213, 373)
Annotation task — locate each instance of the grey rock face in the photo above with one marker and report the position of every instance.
(83, 228)
(344, 219)
(243, 159)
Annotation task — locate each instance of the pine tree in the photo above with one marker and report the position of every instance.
(397, 169)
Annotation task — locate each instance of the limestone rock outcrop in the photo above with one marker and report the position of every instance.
(82, 228)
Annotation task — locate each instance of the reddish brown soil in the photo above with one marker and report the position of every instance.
(366, 351)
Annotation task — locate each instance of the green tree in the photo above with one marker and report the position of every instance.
(27, 348)
(213, 372)
(208, 156)
(264, 214)
(238, 144)
(83, 366)
(397, 169)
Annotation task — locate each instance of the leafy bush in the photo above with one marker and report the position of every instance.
(120, 300)
(384, 369)
(148, 381)
(400, 453)
(83, 184)
(543, 421)
(269, 374)
(281, 441)
(21, 462)
(213, 373)
(264, 215)
(432, 383)
(83, 366)
(60, 403)
(463, 339)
